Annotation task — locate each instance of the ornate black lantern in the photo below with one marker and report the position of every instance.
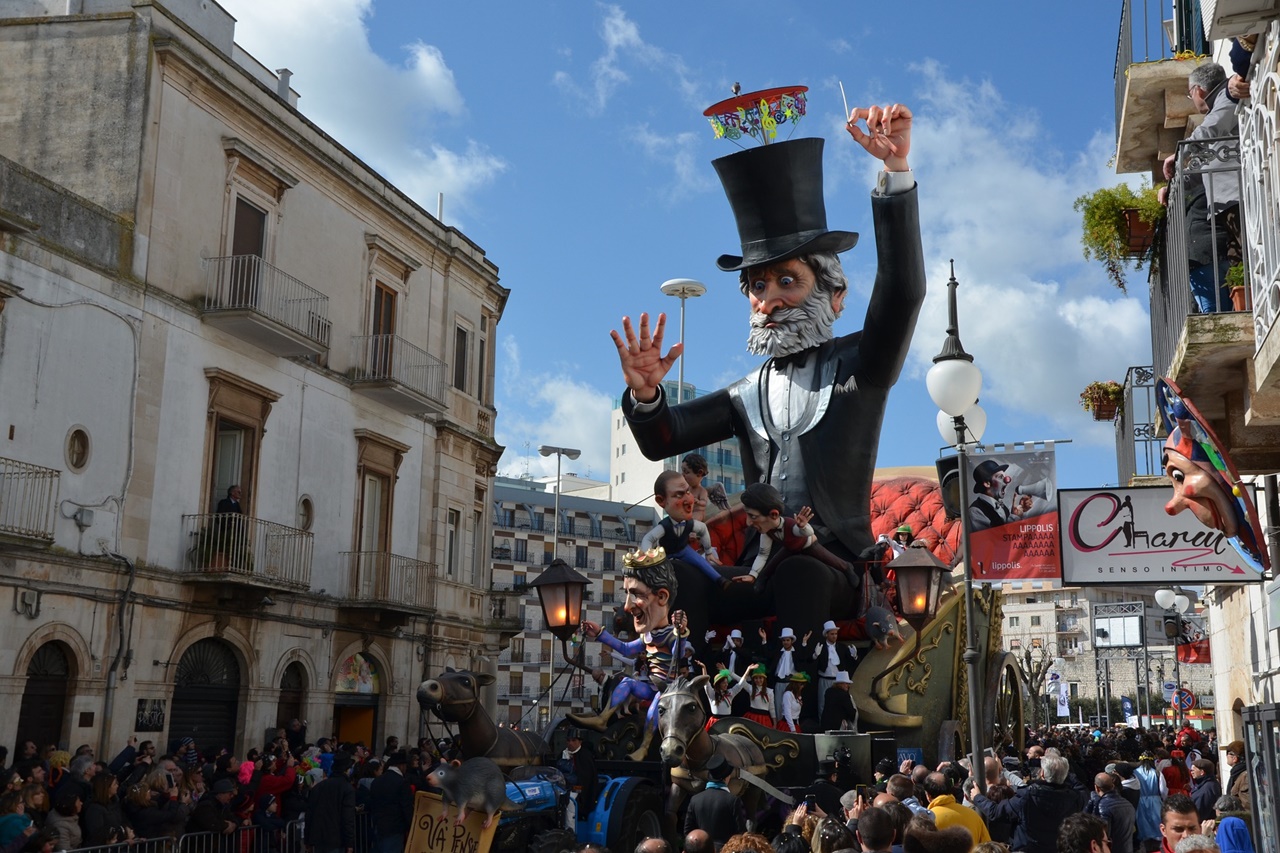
(919, 579)
(560, 595)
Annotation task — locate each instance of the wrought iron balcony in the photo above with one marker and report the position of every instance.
(405, 377)
(1202, 351)
(266, 306)
(28, 498)
(1151, 107)
(381, 579)
(232, 546)
(1137, 447)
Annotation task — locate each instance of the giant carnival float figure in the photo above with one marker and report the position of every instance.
(808, 419)
(649, 586)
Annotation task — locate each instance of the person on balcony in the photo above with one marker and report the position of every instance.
(1207, 89)
(231, 503)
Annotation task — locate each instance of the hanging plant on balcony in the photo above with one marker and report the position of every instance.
(1118, 227)
(1104, 400)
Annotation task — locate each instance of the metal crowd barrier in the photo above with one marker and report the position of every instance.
(245, 839)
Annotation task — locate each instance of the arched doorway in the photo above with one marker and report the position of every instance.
(44, 701)
(357, 684)
(206, 696)
(293, 688)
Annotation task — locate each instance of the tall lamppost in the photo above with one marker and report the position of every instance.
(954, 382)
(1175, 602)
(560, 453)
(560, 592)
(683, 288)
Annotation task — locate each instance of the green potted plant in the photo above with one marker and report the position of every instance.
(1118, 226)
(1235, 284)
(1103, 400)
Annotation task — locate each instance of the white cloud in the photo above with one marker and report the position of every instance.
(550, 407)
(336, 70)
(625, 52)
(996, 195)
(680, 153)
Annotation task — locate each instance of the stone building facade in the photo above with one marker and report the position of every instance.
(202, 289)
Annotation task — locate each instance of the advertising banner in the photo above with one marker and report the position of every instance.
(1064, 703)
(1124, 536)
(1012, 516)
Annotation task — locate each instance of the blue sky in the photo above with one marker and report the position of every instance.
(569, 141)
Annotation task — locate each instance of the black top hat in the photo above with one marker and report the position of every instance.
(776, 195)
(718, 767)
(573, 734)
(984, 472)
(826, 767)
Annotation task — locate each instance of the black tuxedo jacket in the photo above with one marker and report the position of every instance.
(801, 660)
(837, 708)
(854, 373)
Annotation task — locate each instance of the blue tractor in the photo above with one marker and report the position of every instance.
(628, 809)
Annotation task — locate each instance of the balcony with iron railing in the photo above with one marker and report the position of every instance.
(1151, 105)
(1203, 352)
(28, 500)
(399, 374)
(514, 587)
(1138, 446)
(504, 624)
(383, 580)
(264, 305)
(243, 549)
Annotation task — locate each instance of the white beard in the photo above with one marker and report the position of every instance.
(795, 329)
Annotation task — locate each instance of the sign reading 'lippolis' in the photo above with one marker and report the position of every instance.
(1125, 536)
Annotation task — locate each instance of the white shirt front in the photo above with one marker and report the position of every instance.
(833, 660)
(785, 665)
(791, 711)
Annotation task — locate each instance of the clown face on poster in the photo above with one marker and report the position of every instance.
(1012, 516)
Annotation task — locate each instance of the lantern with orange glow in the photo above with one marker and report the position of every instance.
(919, 579)
(560, 590)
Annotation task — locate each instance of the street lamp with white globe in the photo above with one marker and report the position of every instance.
(684, 288)
(954, 383)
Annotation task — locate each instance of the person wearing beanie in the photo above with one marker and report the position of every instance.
(331, 810)
(1238, 779)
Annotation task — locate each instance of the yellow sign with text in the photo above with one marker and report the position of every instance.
(434, 831)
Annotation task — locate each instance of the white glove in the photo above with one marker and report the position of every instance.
(711, 635)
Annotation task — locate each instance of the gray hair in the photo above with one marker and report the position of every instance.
(828, 274)
(79, 765)
(1055, 769)
(1228, 803)
(1192, 843)
(1209, 76)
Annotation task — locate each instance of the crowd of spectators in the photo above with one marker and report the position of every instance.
(53, 800)
(1072, 790)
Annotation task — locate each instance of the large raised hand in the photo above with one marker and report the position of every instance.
(643, 364)
(888, 133)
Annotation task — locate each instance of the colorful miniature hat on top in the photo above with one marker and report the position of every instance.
(798, 678)
(775, 190)
(759, 669)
